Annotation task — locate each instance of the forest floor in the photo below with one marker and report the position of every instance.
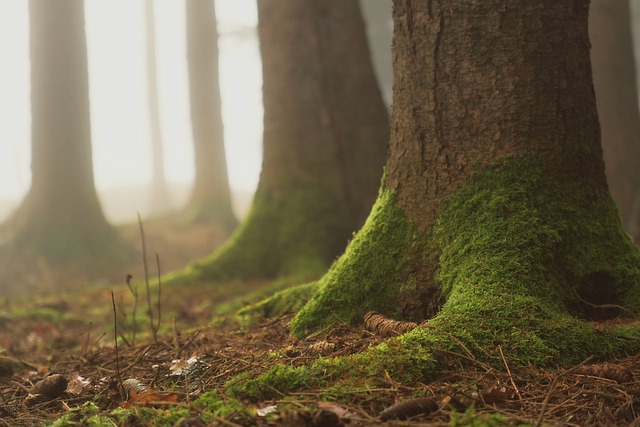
(181, 377)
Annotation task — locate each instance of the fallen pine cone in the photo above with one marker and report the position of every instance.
(608, 371)
(409, 408)
(46, 389)
(381, 325)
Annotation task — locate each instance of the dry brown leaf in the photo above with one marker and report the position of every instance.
(77, 384)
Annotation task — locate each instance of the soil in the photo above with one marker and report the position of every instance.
(200, 348)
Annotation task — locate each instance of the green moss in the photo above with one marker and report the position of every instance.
(278, 380)
(221, 406)
(472, 419)
(376, 265)
(518, 251)
(294, 232)
(287, 300)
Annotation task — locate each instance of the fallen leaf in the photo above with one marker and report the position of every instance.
(77, 384)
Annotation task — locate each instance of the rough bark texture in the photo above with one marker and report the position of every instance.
(60, 217)
(325, 133)
(614, 76)
(159, 200)
(494, 216)
(210, 198)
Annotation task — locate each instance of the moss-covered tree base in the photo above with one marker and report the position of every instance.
(293, 234)
(524, 258)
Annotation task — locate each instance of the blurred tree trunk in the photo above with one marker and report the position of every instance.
(60, 218)
(614, 76)
(325, 136)
(211, 198)
(159, 200)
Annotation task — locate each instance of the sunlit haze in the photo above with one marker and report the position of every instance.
(117, 73)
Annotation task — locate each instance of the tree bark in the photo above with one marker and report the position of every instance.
(210, 198)
(60, 218)
(494, 215)
(325, 133)
(614, 75)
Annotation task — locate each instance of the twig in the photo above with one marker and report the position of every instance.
(552, 386)
(506, 365)
(134, 292)
(146, 280)
(115, 339)
(159, 292)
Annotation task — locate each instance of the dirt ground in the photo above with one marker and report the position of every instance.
(67, 338)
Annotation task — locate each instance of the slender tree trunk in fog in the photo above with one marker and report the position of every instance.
(614, 76)
(494, 219)
(61, 218)
(211, 198)
(325, 133)
(159, 200)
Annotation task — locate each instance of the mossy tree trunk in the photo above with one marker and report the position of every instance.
(159, 198)
(494, 219)
(60, 218)
(210, 198)
(325, 135)
(614, 76)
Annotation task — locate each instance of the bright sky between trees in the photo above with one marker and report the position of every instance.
(117, 73)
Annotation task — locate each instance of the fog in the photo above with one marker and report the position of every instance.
(119, 115)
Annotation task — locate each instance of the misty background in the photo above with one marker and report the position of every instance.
(119, 110)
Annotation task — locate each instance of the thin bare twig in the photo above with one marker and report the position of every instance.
(115, 339)
(506, 365)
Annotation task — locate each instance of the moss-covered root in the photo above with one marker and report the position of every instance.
(289, 300)
(383, 254)
(293, 236)
(520, 249)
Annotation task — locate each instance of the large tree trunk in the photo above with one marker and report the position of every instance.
(614, 76)
(210, 198)
(159, 198)
(60, 217)
(325, 133)
(494, 219)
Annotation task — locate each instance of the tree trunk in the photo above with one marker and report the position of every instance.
(60, 218)
(325, 133)
(210, 198)
(614, 76)
(159, 200)
(494, 215)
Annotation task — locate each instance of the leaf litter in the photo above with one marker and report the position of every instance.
(189, 361)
